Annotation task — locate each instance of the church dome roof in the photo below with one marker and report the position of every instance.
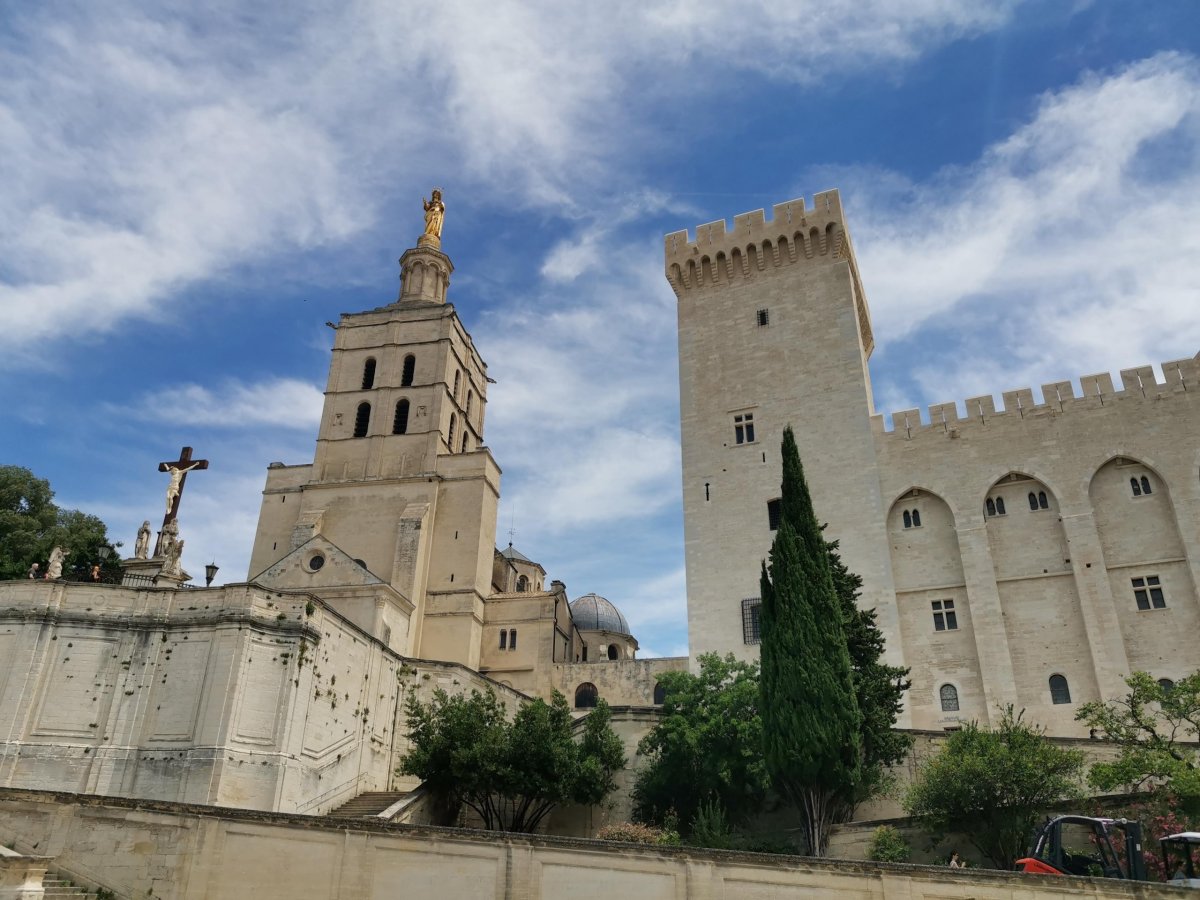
(592, 612)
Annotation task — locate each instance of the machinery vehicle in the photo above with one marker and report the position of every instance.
(1081, 845)
(1181, 858)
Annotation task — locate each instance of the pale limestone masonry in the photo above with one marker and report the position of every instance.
(174, 852)
(774, 329)
(237, 696)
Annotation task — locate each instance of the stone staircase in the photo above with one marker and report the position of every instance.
(366, 805)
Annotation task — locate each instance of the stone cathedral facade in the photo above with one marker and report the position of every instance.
(1031, 552)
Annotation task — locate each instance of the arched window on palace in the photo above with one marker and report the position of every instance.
(400, 422)
(1060, 691)
(949, 697)
(410, 368)
(453, 426)
(368, 381)
(1146, 485)
(612, 651)
(522, 583)
(362, 420)
(1166, 684)
(586, 696)
(457, 381)
(660, 695)
(464, 441)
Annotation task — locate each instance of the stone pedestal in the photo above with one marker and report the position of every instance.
(149, 573)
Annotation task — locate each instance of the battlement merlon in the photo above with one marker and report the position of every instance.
(1058, 397)
(795, 234)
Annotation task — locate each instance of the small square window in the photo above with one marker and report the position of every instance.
(763, 317)
(743, 428)
(944, 616)
(1148, 593)
(751, 628)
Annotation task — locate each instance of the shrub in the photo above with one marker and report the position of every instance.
(635, 833)
(711, 828)
(888, 845)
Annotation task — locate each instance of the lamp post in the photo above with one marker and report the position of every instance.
(210, 572)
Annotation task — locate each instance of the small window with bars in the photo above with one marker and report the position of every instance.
(1148, 593)
(773, 511)
(944, 616)
(763, 317)
(751, 622)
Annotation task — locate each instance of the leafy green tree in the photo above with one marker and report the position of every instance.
(811, 723)
(31, 525)
(878, 688)
(706, 747)
(1157, 728)
(991, 786)
(511, 773)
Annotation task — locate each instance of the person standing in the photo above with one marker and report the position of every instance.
(35, 571)
(955, 861)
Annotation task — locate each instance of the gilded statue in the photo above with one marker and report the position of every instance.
(435, 213)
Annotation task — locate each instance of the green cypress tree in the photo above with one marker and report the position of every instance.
(811, 723)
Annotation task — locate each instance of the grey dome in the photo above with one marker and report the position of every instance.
(592, 612)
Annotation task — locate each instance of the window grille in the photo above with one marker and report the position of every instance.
(751, 622)
(949, 698)
(763, 317)
(774, 507)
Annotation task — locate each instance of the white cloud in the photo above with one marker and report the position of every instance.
(149, 147)
(1075, 239)
(281, 402)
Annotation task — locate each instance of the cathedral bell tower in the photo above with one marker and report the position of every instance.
(401, 480)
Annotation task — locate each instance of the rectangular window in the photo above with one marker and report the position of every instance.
(743, 428)
(773, 507)
(944, 617)
(512, 639)
(764, 318)
(1148, 593)
(751, 632)
(503, 639)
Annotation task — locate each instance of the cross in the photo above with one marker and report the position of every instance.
(178, 469)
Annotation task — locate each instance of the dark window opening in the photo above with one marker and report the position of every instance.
(362, 420)
(751, 623)
(743, 428)
(916, 518)
(1043, 502)
(368, 381)
(586, 696)
(400, 422)
(1146, 485)
(949, 697)
(1060, 691)
(991, 506)
(660, 695)
(457, 380)
(612, 651)
(1000, 506)
(1166, 684)
(1033, 501)
(410, 368)
(763, 317)
(907, 519)
(464, 442)
(1148, 593)
(1135, 487)
(512, 639)
(522, 584)
(944, 616)
(453, 425)
(503, 639)
(773, 511)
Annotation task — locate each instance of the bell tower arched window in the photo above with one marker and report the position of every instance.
(457, 380)
(470, 397)
(453, 428)
(410, 368)
(586, 696)
(362, 420)
(368, 380)
(400, 422)
(1060, 691)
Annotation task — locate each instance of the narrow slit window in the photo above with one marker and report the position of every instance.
(503, 639)
(368, 379)
(400, 421)
(1135, 487)
(1033, 504)
(410, 368)
(991, 506)
(512, 639)
(457, 381)
(470, 397)
(453, 428)
(1043, 501)
(362, 420)
(464, 441)
(916, 518)
(1000, 506)
(907, 519)
(1146, 485)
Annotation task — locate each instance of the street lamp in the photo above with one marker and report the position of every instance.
(102, 551)
(210, 572)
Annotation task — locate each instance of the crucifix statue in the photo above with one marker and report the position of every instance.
(178, 470)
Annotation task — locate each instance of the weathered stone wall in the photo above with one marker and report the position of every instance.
(179, 853)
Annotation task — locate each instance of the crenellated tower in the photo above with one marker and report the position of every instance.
(774, 329)
(401, 481)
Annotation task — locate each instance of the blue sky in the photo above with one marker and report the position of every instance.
(192, 190)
